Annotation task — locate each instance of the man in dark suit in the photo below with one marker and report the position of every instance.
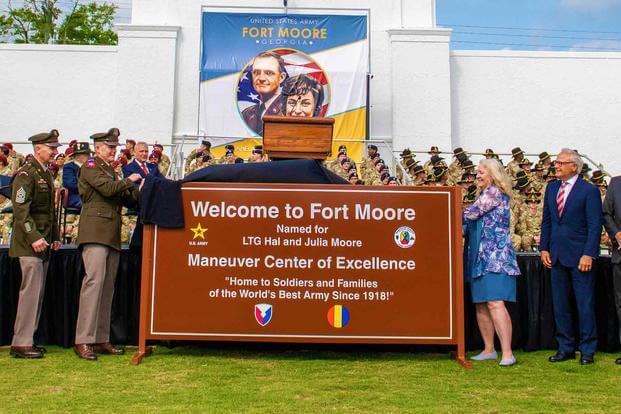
(612, 223)
(570, 233)
(268, 73)
(139, 164)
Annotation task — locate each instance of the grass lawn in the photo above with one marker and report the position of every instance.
(294, 379)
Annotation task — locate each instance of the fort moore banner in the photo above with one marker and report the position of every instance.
(256, 64)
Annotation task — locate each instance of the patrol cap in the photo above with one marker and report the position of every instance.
(372, 147)
(533, 190)
(418, 169)
(378, 160)
(439, 171)
(342, 152)
(457, 151)
(411, 162)
(533, 198)
(471, 194)
(352, 174)
(229, 152)
(81, 148)
(110, 138)
(435, 159)
(597, 175)
(467, 164)
(406, 153)
(47, 138)
(522, 183)
(344, 160)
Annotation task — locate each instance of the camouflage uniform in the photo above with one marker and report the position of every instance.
(529, 225)
(6, 221)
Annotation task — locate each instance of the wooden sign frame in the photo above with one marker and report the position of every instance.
(456, 292)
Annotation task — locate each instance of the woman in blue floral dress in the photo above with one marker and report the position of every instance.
(491, 267)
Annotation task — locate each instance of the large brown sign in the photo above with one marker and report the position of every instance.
(302, 263)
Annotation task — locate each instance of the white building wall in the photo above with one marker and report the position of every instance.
(540, 101)
(385, 15)
(71, 88)
(421, 93)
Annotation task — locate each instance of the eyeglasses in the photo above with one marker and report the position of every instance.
(563, 162)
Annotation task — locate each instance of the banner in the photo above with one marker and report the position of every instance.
(255, 64)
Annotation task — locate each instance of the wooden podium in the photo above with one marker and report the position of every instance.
(294, 137)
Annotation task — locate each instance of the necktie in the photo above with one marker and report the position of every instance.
(560, 198)
(144, 169)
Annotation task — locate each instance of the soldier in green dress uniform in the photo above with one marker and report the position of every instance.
(35, 233)
(103, 194)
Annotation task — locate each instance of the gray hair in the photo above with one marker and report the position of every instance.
(140, 143)
(573, 157)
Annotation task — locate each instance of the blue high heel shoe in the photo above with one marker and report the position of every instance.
(485, 357)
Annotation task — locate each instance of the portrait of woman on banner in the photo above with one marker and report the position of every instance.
(302, 97)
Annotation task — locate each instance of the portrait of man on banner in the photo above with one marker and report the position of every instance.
(281, 82)
(267, 75)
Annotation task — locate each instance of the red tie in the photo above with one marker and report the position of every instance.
(144, 169)
(560, 198)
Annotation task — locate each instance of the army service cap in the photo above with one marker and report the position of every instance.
(110, 138)
(47, 138)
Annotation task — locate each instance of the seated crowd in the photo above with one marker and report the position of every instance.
(526, 202)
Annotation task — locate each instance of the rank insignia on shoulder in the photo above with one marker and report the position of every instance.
(20, 195)
(91, 163)
(22, 174)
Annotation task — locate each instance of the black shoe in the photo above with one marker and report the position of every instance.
(562, 356)
(586, 360)
(40, 349)
(618, 361)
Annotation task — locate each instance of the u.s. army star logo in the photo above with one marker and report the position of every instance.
(20, 195)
